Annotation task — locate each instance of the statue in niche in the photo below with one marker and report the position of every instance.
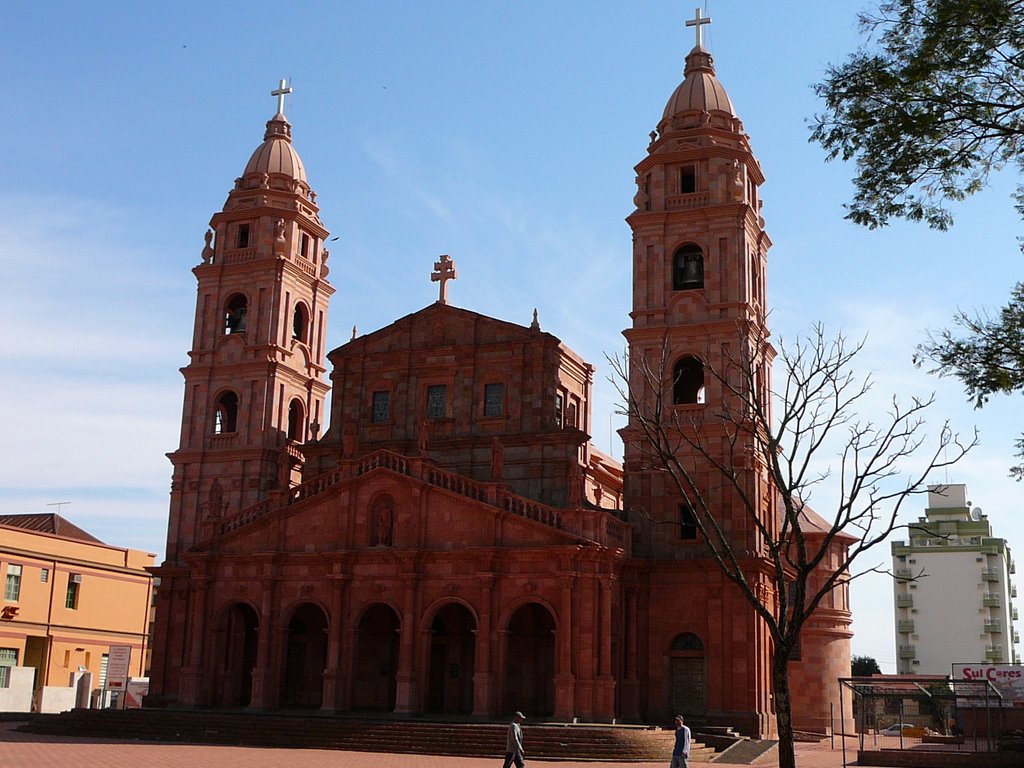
(324, 269)
(382, 526)
(279, 230)
(575, 485)
(423, 437)
(598, 494)
(264, 181)
(349, 439)
(215, 500)
(705, 117)
(497, 460)
(208, 248)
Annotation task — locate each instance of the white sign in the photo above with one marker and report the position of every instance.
(1008, 679)
(118, 663)
(138, 687)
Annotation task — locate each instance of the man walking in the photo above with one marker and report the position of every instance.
(514, 742)
(681, 751)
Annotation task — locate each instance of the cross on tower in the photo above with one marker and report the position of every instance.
(444, 270)
(699, 21)
(283, 89)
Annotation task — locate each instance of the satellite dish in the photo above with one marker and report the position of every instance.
(976, 513)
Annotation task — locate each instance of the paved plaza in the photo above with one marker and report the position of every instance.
(28, 750)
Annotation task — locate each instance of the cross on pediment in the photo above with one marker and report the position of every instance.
(444, 270)
(699, 21)
(283, 89)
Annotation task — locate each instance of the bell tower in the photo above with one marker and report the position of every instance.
(254, 385)
(699, 260)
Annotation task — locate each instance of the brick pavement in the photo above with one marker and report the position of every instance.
(27, 750)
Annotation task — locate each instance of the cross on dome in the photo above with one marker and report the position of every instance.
(698, 21)
(283, 89)
(444, 270)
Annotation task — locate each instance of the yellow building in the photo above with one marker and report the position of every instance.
(67, 598)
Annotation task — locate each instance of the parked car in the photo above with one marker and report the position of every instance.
(905, 728)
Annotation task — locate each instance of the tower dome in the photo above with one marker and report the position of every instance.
(700, 90)
(276, 155)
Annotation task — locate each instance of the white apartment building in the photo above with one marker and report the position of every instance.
(953, 593)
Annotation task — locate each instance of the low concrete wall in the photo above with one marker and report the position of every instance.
(53, 699)
(18, 696)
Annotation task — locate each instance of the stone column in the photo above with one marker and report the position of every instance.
(261, 672)
(565, 682)
(405, 680)
(605, 705)
(630, 698)
(483, 679)
(331, 673)
(192, 674)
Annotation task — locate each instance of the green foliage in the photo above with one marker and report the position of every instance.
(988, 360)
(929, 108)
(864, 666)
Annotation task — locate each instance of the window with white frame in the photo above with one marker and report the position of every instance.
(12, 588)
(8, 659)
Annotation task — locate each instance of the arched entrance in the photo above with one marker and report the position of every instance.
(452, 651)
(530, 661)
(305, 659)
(239, 636)
(686, 675)
(375, 666)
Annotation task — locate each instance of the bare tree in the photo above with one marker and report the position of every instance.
(769, 466)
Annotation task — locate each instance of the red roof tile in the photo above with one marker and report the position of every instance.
(48, 522)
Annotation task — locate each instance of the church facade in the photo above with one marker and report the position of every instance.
(452, 542)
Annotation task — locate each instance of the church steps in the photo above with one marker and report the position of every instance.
(550, 742)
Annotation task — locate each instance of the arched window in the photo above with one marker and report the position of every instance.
(300, 322)
(235, 314)
(687, 641)
(296, 420)
(225, 418)
(688, 268)
(688, 381)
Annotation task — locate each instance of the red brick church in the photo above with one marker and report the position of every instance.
(453, 542)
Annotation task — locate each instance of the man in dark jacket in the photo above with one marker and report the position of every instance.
(681, 750)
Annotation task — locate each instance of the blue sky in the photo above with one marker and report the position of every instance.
(502, 134)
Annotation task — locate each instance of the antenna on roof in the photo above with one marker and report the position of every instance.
(59, 505)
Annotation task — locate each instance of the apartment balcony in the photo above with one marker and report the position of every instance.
(904, 574)
(991, 601)
(1013, 591)
(1014, 615)
(994, 627)
(1013, 567)
(905, 626)
(1016, 636)
(904, 601)
(907, 651)
(994, 652)
(990, 574)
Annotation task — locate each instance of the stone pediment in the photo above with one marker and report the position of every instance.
(440, 325)
(387, 502)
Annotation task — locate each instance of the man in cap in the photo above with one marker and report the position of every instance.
(514, 742)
